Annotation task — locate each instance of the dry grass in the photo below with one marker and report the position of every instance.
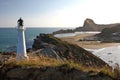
(37, 61)
(114, 73)
(40, 61)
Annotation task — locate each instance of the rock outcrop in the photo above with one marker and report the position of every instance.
(110, 34)
(90, 25)
(51, 46)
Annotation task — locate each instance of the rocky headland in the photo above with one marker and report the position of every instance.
(47, 44)
(88, 25)
(53, 59)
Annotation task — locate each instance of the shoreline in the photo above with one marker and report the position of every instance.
(87, 44)
(108, 52)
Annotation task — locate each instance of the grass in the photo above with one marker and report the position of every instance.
(40, 61)
(36, 61)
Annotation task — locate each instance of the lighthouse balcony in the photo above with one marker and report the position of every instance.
(21, 28)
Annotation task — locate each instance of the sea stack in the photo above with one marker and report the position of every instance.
(21, 46)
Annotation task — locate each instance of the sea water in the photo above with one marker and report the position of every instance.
(8, 37)
(75, 33)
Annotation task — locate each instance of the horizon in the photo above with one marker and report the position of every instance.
(58, 26)
(58, 13)
(38, 27)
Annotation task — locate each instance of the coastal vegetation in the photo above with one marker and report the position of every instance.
(45, 68)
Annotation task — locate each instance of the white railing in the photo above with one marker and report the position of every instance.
(21, 27)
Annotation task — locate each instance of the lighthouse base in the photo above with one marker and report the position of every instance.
(21, 57)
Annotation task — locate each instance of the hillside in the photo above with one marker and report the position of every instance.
(48, 45)
(45, 68)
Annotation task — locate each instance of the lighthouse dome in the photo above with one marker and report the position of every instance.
(20, 22)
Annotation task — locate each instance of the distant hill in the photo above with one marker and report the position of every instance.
(89, 25)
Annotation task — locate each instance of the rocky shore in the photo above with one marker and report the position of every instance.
(53, 59)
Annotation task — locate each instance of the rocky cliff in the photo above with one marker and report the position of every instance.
(90, 25)
(51, 46)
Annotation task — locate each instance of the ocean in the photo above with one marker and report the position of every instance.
(8, 37)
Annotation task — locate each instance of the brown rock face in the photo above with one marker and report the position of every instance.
(52, 46)
(90, 25)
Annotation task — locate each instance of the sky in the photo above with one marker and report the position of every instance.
(58, 13)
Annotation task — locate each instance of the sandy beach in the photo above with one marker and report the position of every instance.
(87, 44)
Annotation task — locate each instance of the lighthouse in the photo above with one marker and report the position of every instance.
(21, 46)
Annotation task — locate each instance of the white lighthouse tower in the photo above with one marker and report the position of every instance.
(21, 47)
